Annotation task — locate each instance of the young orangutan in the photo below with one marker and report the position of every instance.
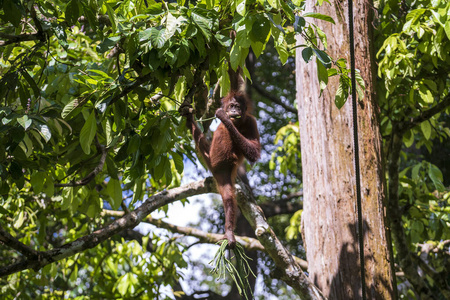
(236, 138)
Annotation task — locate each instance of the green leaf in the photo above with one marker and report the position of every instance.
(67, 197)
(235, 56)
(160, 169)
(18, 220)
(412, 17)
(274, 3)
(408, 138)
(322, 37)
(299, 24)
(45, 132)
(32, 83)
(12, 12)
(342, 91)
(307, 54)
(87, 133)
(240, 7)
(134, 144)
(114, 190)
(112, 16)
(60, 34)
(426, 129)
(24, 121)
(204, 23)
(158, 37)
(72, 12)
(260, 29)
(320, 17)
(447, 28)
(122, 284)
(436, 176)
(178, 161)
(37, 181)
(323, 57)
(108, 43)
(282, 53)
(171, 26)
(425, 94)
(322, 75)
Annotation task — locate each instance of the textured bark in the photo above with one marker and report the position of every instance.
(330, 217)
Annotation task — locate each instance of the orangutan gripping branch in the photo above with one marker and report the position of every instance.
(236, 138)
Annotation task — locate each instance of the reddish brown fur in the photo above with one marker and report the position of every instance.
(234, 140)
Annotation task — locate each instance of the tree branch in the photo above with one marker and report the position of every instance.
(127, 89)
(248, 243)
(11, 39)
(8, 240)
(127, 221)
(272, 98)
(287, 268)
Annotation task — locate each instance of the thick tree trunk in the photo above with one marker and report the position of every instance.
(330, 216)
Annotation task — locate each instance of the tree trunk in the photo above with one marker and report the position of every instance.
(330, 217)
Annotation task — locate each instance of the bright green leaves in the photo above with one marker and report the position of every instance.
(205, 21)
(287, 155)
(88, 132)
(112, 16)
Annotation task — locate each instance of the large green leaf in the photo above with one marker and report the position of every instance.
(87, 133)
(319, 16)
(114, 190)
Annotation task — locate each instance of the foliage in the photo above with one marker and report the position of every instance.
(413, 62)
(89, 116)
(288, 154)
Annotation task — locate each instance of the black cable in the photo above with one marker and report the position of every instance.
(356, 149)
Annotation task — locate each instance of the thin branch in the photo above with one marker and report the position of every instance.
(272, 98)
(250, 244)
(101, 149)
(205, 237)
(11, 39)
(127, 89)
(8, 240)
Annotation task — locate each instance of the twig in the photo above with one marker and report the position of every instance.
(426, 115)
